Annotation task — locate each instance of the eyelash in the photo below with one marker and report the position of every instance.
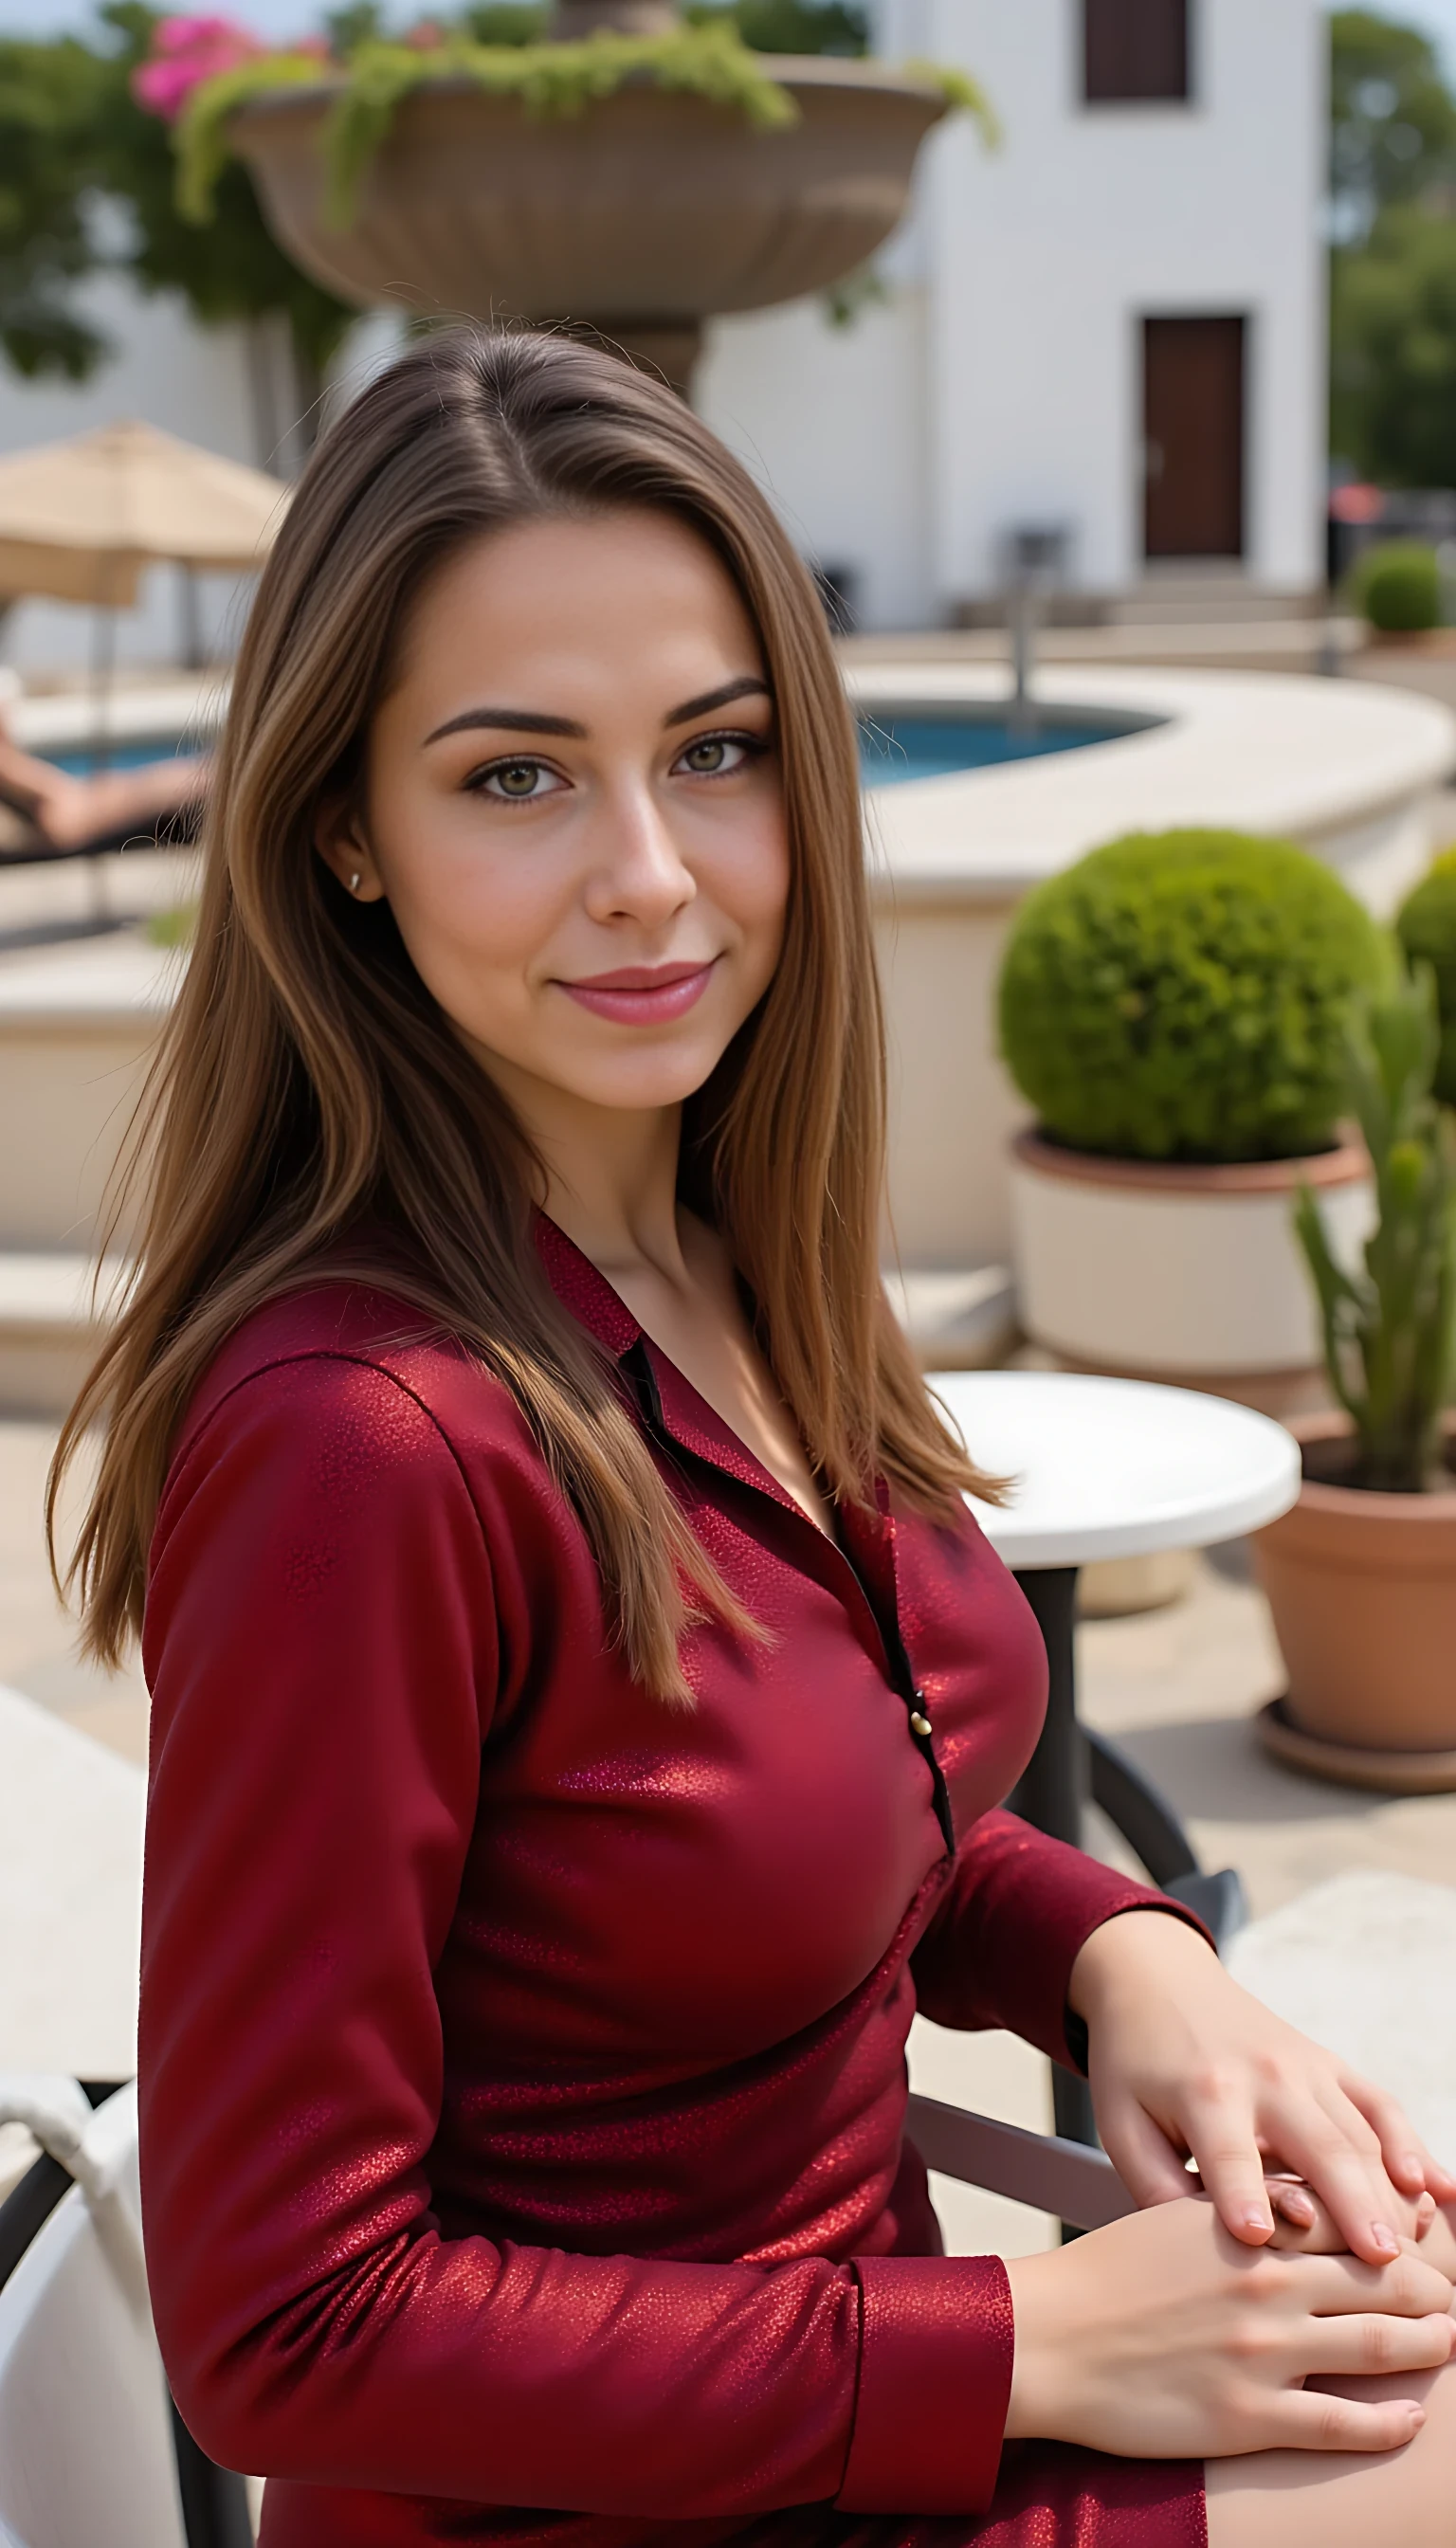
(753, 746)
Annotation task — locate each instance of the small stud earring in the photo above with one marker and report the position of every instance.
(354, 881)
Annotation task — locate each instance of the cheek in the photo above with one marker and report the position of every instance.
(472, 912)
(750, 882)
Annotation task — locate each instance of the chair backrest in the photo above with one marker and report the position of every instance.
(86, 2450)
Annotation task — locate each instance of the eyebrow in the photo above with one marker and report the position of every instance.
(537, 720)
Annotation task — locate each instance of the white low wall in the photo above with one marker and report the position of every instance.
(1346, 767)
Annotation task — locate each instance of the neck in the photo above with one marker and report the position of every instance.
(611, 1177)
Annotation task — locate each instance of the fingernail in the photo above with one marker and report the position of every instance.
(1254, 2219)
(1297, 2205)
(1385, 2239)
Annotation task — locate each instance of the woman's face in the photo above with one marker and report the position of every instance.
(573, 805)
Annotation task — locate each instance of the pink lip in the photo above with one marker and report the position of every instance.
(642, 995)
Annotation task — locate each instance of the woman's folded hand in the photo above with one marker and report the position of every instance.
(1164, 2338)
(1185, 2061)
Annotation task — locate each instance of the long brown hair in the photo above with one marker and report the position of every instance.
(310, 1102)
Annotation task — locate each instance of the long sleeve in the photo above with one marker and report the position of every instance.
(323, 1643)
(1001, 1947)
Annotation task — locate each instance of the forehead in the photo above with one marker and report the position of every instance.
(621, 588)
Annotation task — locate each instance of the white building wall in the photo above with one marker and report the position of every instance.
(1046, 255)
(1003, 384)
(834, 424)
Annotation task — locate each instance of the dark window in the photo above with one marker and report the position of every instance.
(1135, 50)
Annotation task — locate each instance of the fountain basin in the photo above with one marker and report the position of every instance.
(643, 215)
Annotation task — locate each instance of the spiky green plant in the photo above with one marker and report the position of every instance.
(1390, 1327)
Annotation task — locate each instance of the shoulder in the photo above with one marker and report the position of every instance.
(341, 1391)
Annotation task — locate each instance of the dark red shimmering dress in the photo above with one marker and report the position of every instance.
(522, 2061)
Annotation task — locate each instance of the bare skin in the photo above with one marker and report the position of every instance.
(575, 776)
(67, 811)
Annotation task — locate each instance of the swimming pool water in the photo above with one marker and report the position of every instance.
(894, 748)
(132, 754)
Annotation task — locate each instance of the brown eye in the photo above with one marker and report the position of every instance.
(713, 756)
(516, 778)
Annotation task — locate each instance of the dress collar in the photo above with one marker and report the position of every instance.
(584, 1291)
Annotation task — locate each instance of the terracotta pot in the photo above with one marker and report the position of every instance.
(1181, 1273)
(1363, 1591)
(644, 215)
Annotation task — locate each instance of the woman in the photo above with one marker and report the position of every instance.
(580, 1696)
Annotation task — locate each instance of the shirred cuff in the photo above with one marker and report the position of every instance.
(937, 2344)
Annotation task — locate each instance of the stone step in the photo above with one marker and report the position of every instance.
(1186, 600)
(956, 1320)
(53, 1322)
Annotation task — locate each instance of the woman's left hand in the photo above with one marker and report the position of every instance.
(1184, 2063)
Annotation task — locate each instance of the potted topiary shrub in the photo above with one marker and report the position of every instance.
(1426, 928)
(1175, 1007)
(1396, 587)
(1361, 1575)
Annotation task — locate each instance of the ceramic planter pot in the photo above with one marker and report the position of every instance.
(1363, 1591)
(1176, 1273)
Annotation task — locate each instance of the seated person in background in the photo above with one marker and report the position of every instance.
(69, 813)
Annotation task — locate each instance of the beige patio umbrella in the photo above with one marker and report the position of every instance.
(79, 520)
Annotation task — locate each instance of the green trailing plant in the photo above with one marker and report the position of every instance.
(1388, 1327)
(1397, 587)
(544, 79)
(709, 60)
(1185, 995)
(1426, 928)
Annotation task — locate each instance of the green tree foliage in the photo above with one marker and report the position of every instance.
(230, 268)
(792, 25)
(1392, 120)
(1393, 296)
(47, 116)
(1393, 351)
(71, 133)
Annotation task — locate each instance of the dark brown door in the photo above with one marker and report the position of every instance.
(1133, 50)
(1193, 433)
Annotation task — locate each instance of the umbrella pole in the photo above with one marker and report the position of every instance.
(103, 671)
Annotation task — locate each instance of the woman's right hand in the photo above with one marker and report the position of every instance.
(1162, 2337)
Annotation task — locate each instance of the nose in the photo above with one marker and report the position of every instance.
(638, 872)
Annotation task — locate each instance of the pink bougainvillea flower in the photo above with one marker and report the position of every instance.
(185, 52)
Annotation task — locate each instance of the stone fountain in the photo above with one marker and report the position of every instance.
(640, 217)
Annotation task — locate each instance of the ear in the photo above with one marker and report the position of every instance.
(339, 838)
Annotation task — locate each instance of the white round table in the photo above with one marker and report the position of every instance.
(1115, 1468)
(1111, 1468)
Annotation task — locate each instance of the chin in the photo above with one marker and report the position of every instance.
(642, 1083)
